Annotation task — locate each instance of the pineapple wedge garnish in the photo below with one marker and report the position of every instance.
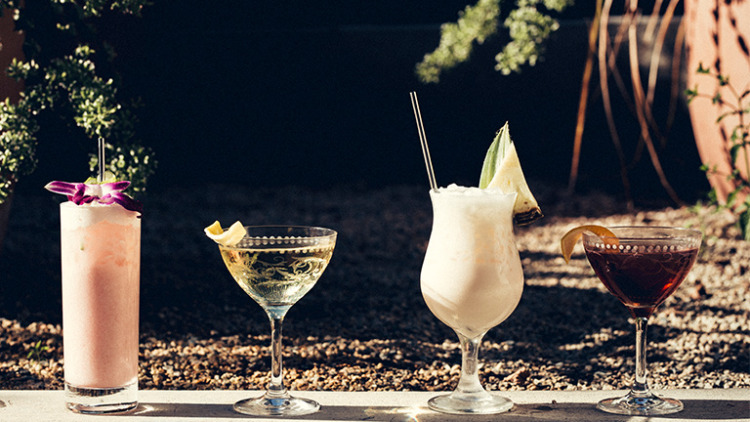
(502, 169)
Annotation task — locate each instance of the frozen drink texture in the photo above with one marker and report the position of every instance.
(472, 278)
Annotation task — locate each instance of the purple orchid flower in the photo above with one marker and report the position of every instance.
(104, 193)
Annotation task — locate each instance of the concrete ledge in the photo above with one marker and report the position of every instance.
(700, 405)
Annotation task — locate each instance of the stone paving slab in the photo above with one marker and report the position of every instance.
(216, 405)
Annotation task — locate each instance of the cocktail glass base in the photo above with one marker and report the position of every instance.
(642, 404)
(458, 403)
(101, 400)
(268, 405)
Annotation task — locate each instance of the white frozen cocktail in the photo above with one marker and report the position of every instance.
(472, 278)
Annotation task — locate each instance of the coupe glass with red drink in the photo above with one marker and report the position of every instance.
(641, 267)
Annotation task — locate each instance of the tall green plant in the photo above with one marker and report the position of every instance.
(65, 71)
(737, 105)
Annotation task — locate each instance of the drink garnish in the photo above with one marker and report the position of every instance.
(108, 191)
(502, 169)
(229, 237)
(569, 240)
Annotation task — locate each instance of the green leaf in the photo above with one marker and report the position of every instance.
(691, 94)
(734, 151)
(713, 197)
(109, 177)
(494, 155)
(744, 222)
(731, 198)
(725, 115)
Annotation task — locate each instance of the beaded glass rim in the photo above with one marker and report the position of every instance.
(298, 236)
(650, 239)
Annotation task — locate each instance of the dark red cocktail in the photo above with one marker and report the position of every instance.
(641, 279)
(642, 266)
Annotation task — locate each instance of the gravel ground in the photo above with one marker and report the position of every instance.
(365, 325)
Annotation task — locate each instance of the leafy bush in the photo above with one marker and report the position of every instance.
(63, 71)
(528, 24)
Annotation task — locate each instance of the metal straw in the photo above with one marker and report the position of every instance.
(423, 140)
(100, 176)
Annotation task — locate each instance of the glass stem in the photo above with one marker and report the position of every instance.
(469, 383)
(276, 387)
(641, 370)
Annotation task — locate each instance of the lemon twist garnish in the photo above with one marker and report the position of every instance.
(229, 237)
(569, 240)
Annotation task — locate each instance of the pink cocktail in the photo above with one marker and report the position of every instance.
(100, 249)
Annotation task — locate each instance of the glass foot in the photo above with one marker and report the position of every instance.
(643, 404)
(470, 403)
(285, 405)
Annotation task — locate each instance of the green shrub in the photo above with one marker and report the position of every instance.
(63, 72)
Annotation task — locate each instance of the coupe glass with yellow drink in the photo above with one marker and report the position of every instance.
(276, 266)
